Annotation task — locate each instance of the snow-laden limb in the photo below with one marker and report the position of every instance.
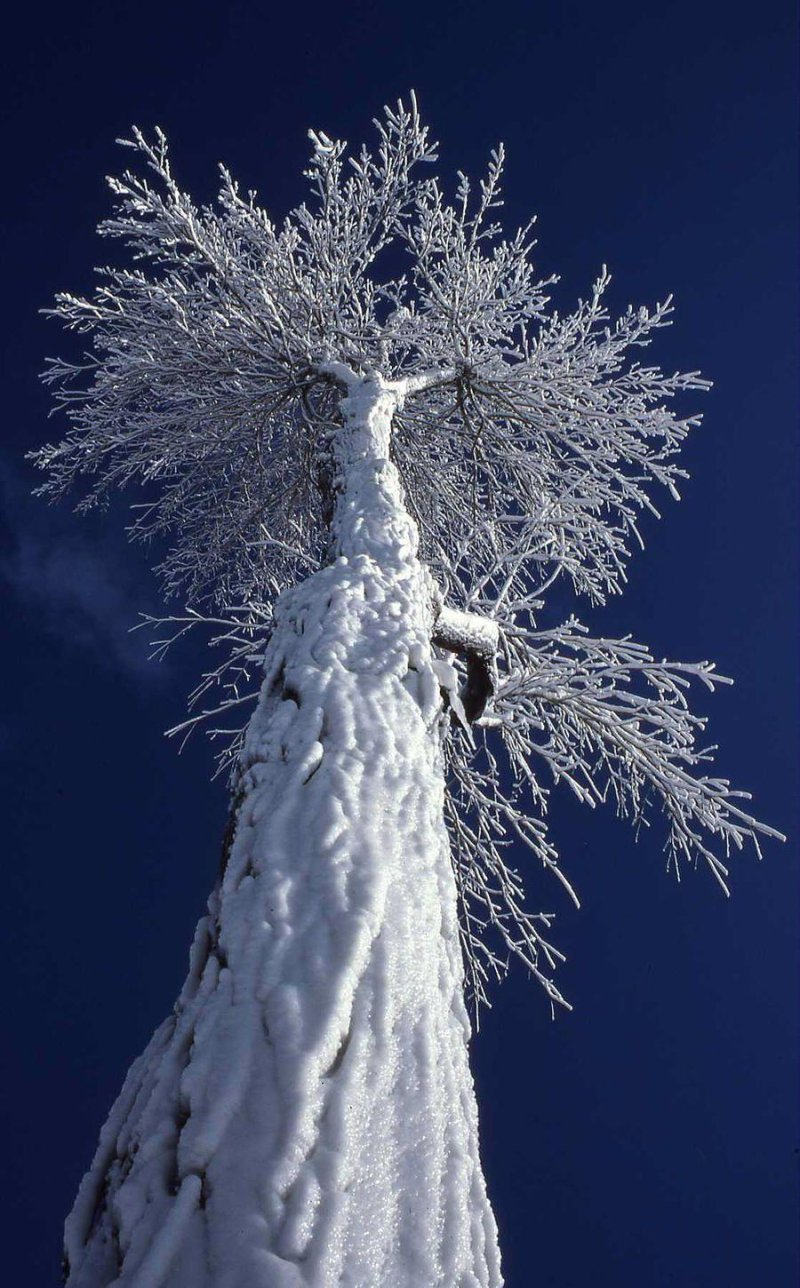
(476, 639)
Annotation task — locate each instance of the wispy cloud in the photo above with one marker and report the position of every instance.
(89, 592)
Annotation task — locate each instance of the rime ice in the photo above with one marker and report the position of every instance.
(378, 482)
(308, 1116)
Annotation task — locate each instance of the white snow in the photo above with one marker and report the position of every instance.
(469, 632)
(308, 1116)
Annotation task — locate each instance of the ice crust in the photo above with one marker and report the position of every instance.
(307, 1115)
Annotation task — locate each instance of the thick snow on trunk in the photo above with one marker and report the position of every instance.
(307, 1115)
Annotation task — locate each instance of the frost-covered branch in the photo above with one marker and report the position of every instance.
(529, 443)
(476, 639)
(240, 635)
(605, 716)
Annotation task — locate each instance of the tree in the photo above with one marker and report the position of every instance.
(368, 451)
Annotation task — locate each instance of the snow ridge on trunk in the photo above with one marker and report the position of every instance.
(307, 1115)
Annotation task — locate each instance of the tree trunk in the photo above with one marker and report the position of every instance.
(307, 1115)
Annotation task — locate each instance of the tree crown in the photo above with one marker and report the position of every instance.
(528, 444)
(528, 459)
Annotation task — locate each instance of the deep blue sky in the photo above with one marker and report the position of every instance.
(649, 1138)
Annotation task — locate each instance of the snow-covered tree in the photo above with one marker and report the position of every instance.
(367, 450)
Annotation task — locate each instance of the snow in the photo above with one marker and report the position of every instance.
(307, 1117)
(467, 632)
(307, 1114)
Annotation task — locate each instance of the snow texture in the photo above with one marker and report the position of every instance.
(529, 442)
(307, 1115)
(467, 632)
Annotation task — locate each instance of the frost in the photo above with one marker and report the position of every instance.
(311, 1117)
(367, 490)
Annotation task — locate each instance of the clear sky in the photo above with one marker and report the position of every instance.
(648, 1139)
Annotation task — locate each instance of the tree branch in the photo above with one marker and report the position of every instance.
(476, 639)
